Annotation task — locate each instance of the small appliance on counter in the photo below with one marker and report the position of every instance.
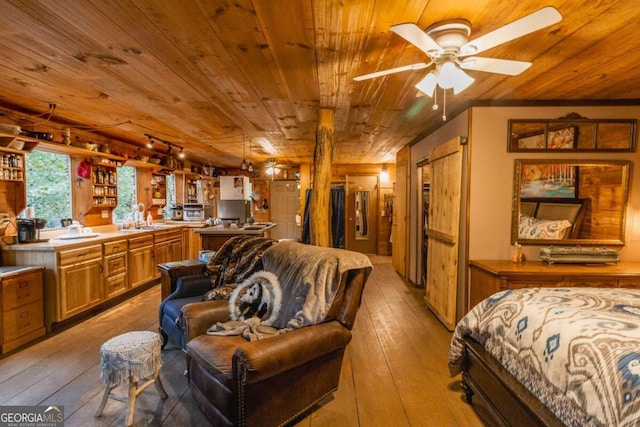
(193, 212)
(29, 229)
(176, 212)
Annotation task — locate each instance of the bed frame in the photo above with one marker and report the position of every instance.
(506, 399)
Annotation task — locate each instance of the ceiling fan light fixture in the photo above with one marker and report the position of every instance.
(462, 81)
(428, 84)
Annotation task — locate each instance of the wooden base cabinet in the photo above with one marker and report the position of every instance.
(168, 247)
(80, 280)
(142, 265)
(490, 276)
(21, 308)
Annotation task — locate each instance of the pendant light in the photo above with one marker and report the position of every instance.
(244, 165)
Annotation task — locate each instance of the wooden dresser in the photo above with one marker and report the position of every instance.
(488, 277)
(21, 307)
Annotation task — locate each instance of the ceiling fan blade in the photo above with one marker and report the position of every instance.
(518, 28)
(417, 66)
(414, 35)
(493, 65)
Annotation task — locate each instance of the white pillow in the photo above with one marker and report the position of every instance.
(533, 228)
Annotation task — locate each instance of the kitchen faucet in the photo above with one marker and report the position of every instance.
(138, 215)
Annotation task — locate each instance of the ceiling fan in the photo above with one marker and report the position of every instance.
(446, 42)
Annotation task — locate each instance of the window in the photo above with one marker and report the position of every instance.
(126, 192)
(171, 195)
(49, 186)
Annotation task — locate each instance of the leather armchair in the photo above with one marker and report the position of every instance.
(273, 381)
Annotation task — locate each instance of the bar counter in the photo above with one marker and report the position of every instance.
(213, 237)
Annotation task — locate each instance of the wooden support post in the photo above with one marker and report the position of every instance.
(320, 231)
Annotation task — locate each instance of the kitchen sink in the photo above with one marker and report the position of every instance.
(149, 227)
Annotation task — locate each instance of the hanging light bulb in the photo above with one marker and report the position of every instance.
(181, 154)
(244, 165)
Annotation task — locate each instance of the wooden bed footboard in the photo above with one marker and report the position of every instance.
(508, 401)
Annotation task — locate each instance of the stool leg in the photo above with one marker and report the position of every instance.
(159, 387)
(133, 387)
(103, 402)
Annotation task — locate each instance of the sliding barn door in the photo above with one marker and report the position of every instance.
(446, 163)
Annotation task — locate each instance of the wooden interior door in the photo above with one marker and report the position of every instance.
(285, 204)
(443, 230)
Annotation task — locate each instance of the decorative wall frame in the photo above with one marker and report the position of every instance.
(572, 133)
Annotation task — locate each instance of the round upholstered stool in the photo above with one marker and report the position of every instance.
(128, 359)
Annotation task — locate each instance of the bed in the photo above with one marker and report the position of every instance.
(553, 356)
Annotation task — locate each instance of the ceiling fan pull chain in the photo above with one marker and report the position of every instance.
(444, 105)
(435, 100)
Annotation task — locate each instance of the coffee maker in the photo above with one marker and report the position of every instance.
(29, 229)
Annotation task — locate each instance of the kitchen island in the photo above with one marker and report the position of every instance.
(213, 237)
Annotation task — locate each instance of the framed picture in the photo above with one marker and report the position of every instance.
(562, 139)
(548, 180)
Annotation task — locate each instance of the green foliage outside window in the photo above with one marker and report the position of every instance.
(49, 186)
(126, 192)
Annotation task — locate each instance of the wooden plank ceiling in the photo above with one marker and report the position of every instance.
(225, 79)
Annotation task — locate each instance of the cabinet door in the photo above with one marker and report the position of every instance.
(81, 287)
(142, 266)
(175, 250)
(162, 255)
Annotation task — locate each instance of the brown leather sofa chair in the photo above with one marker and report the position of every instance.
(273, 381)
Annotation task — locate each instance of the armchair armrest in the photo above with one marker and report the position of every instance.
(197, 317)
(191, 286)
(258, 360)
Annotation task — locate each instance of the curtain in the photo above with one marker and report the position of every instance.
(306, 231)
(337, 217)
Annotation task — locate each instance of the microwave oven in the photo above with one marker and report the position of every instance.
(192, 212)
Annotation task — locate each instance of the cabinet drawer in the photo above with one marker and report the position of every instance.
(22, 320)
(115, 285)
(115, 247)
(21, 290)
(79, 255)
(629, 282)
(590, 282)
(115, 264)
(139, 242)
(163, 236)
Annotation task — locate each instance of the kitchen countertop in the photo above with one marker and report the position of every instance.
(219, 230)
(8, 271)
(100, 234)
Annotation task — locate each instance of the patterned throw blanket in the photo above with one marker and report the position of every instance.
(237, 259)
(576, 349)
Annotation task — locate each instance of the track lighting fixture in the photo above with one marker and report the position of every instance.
(170, 145)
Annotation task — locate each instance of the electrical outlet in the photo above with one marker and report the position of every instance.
(4, 217)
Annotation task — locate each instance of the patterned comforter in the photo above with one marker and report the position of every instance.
(575, 349)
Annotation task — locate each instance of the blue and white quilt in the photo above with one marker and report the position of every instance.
(575, 349)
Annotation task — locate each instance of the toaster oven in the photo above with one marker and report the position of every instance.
(193, 212)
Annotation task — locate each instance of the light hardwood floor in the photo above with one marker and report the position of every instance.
(394, 372)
